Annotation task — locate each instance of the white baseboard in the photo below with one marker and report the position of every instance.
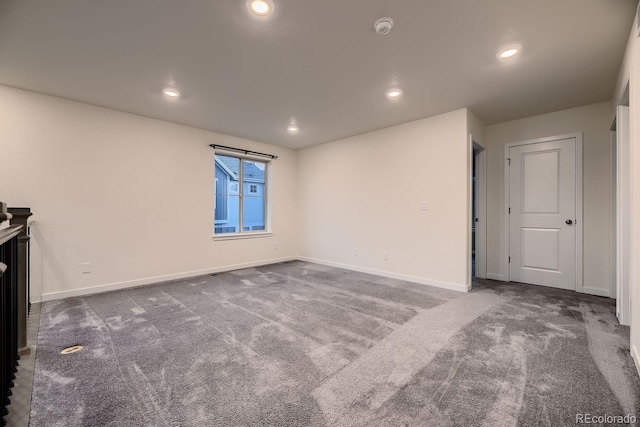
(184, 275)
(51, 296)
(414, 279)
(494, 276)
(635, 355)
(157, 279)
(596, 291)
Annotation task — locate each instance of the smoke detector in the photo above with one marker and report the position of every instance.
(383, 26)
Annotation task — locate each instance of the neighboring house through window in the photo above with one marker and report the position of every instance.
(240, 195)
(220, 205)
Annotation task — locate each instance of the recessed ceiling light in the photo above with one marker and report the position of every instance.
(293, 128)
(394, 93)
(509, 53)
(260, 7)
(171, 93)
(383, 26)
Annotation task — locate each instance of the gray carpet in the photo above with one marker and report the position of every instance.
(299, 344)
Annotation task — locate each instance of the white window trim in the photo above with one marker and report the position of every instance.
(240, 234)
(245, 235)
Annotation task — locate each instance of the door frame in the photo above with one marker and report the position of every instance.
(480, 161)
(579, 285)
(621, 207)
(613, 206)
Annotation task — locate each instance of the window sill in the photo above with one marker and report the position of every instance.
(237, 236)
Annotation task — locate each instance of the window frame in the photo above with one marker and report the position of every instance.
(241, 234)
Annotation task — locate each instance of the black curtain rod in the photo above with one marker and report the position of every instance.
(214, 146)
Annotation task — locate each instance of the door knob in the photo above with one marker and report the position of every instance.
(569, 222)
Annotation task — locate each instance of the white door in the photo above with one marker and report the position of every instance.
(623, 207)
(542, 202)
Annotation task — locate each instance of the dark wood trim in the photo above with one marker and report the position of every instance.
(8, 315)
(9, 233)
(21, 217)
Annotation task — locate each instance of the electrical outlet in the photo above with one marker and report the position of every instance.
(386, 256)
(355, 251)
(424, 206)
(86, 267)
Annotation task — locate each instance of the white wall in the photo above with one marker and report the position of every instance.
(476, 128)
(134, 196)
(630, 72)
(129, 194)
(365, 192)
(594, 122)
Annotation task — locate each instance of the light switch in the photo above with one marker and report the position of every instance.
(424, 206)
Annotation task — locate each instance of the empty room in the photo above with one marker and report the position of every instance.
(338, 213)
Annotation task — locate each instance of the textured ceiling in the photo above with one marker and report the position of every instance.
(320, 63)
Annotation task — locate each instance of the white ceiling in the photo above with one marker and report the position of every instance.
(318, 62)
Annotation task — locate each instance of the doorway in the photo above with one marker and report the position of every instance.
(478, 211)
(543, 194)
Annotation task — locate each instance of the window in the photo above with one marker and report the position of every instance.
(220, 201)
(240, 195)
